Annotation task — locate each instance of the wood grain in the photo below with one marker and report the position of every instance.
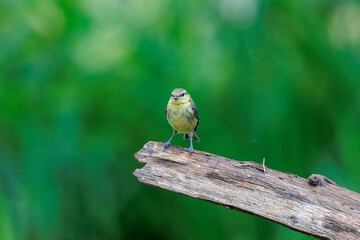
(315, 206)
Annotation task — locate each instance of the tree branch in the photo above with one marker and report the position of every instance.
(317, 206)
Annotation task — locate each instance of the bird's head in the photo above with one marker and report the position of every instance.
(179, 96)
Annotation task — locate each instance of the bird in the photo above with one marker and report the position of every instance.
(183, 116)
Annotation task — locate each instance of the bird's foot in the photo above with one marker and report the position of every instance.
(191, 149)
(166, 145)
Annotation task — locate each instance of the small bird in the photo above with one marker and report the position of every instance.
(183, 116)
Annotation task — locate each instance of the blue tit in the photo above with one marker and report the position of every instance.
(183, 116)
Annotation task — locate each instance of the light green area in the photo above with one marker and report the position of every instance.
(6, 227)
(84, 85)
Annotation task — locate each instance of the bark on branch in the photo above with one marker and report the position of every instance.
(315, 206)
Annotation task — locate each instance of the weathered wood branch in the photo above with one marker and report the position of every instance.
(315, 206)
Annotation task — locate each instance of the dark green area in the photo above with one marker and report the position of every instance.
(84, 85)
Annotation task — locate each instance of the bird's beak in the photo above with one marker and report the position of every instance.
(176, 98)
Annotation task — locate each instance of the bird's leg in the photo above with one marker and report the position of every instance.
(168, 142)
(191, 149)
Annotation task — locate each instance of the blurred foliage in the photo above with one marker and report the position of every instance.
(84, 84)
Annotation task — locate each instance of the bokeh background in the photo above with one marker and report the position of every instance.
(84, 85)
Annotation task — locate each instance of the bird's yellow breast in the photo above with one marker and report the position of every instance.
(181, 117)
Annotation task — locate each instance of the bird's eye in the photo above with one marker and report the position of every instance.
(172, 95)
(181, 95)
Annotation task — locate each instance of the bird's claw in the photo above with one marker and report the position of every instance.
(166, 145)
(191, 149)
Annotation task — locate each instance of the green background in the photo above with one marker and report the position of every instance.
(84, 85)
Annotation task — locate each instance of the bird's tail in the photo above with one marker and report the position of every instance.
(195, 137)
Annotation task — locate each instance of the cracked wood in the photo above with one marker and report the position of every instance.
(315, 206)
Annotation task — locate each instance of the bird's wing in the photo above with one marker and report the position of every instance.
(196, 113)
